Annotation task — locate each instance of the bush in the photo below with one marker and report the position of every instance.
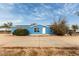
(70, 32)
(21, 32)
(60, 27)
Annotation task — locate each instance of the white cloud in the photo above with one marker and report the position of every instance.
(68, 9)
(15, 22)
(43, 12)
(40, 18)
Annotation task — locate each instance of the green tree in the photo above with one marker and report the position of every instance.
(7, 25)
(74, 27)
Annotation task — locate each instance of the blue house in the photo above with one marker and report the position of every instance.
(34, 29)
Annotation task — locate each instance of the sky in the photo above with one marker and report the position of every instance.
(45, 14)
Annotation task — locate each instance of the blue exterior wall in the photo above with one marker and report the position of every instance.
(48, 30)
(31, 29)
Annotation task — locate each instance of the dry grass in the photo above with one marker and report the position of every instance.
(39, 51)
(27, 44)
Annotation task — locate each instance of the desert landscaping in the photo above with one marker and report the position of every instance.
(8, 40)
(38, 45)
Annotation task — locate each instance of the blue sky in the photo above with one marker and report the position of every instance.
(38, 13)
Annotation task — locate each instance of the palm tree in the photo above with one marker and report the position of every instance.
(74, 27)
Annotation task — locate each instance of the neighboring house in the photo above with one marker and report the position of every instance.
(77, 31)
(5, 30)
(34, 29)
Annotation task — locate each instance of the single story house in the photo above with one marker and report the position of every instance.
(5, 30)
(34, 29)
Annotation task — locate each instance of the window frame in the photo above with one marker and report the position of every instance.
(36, 29)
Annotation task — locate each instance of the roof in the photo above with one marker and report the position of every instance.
(77, 30)
(21, 26)
(27, 26)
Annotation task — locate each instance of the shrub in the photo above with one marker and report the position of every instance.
(21, 32)
(60, 27)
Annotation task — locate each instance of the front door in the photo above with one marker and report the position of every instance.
(43, 30)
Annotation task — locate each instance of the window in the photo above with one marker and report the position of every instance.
(36, 29)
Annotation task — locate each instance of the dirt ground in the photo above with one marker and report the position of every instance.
(7, 40)
(39, 45)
